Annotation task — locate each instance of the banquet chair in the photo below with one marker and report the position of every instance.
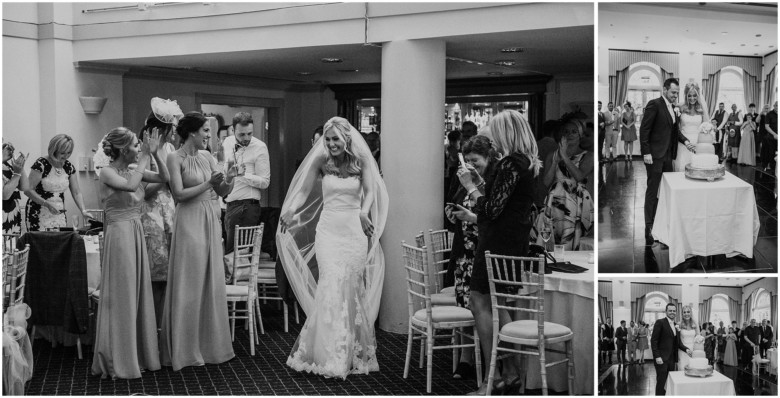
(269, 290)
(758, 362)
(505, 274)
(247, 241)
(9, 242)
(15, 277)
(439, 246)
(426, 319)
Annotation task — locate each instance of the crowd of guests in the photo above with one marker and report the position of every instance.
(727, 345)
(163, 299)
(746, 138)
(507, 181)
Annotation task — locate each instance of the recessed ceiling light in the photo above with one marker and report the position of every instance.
(495, 73)
(771, 46)
(611, 24)
(724, 33)
(731, 52)
(505, 62)
(712, 42)
(512, 50)
(303, 73)
(348, 70)
(755, 45)
(742, 45)
(758, 35)
(755, 53)
(332, 60)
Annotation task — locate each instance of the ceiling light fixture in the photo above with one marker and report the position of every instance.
(331, 60)
(348, 70)
(505, 62)
(742, 45)
(712, 42)
(512, 50)
(303, 73)
(758, 35)
(724, 33)
(496, 73)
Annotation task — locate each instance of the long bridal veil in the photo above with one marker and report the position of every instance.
(296, 245)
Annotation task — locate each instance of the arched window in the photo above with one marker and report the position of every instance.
(732, 88)
(644, 84)
(719, 311)
(655, 307)
(761, 307)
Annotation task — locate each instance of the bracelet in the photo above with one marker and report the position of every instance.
(472, 190)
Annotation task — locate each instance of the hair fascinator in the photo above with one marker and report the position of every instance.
(166, 111)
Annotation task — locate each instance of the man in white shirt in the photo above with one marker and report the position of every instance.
(611, 138)
(251, 156)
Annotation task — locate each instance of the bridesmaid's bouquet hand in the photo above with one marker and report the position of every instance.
(367, 225)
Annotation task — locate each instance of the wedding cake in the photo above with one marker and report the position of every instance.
(699, 360)
(704, 163)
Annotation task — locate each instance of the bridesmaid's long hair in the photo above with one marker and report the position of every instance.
(344, 131)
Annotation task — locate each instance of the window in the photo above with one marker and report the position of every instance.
(732, 89)
(719, 311)
(761, 307)
(644, 84)
(655, 307)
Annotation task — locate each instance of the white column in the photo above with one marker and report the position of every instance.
(413, 82)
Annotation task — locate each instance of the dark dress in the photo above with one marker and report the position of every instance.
(52, 189)
(607, 338)
(504, 215)
(12, 215)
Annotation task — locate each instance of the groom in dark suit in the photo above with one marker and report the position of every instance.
(665, 342)
(658, 137)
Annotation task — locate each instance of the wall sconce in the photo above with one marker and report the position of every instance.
(92, 105)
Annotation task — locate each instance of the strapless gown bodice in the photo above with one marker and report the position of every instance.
(340, 193)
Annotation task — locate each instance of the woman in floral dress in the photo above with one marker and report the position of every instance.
(49, 177)
(478, 152)
(14, 178)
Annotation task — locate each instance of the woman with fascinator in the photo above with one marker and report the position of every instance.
(694, 112)
(126, 332)
(158, 208)
(329, 247)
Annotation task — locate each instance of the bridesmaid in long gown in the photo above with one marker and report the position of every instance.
(126, 337)
(195, 328)
(730, 359)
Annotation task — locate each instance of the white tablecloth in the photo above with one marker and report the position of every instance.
(716, 385)
(701, 218)
(568, 300)
(772, 355)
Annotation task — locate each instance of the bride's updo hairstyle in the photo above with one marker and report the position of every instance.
(343, 130)
(116, 140)
(190, 123)
(697, 108)
(689, 323)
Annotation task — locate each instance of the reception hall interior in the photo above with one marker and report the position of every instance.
(724, 54)
(201, 88)
(730, 315)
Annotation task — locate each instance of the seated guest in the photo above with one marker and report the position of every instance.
(49, 177)
(126, 334)
(569, 202)
(14, 179)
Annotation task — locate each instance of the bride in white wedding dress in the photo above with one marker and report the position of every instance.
(688, 332)
(333, 234)
(694, 113)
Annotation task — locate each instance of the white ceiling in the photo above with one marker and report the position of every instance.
(702, 280)
(689, 27)
(548, 51)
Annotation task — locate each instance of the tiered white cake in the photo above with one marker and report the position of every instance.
(704, 163)
(699, 360)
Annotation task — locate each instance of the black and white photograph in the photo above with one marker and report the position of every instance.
(255, 198)
(705, 336)
(687, 102)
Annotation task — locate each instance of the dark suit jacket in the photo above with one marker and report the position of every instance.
(621, 336)
(658, 131)
(664, 342)
(766, 333)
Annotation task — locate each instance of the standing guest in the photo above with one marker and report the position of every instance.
(752, 338)
(720, 119)
(467, 130)
(602, 131)
(632, 340)
(477, 152)
(195, 328)
(721, 332)
(621, 340)
(607, 341)
(733, 122)
(766, 337)
(14, 179)
(548, 148)
(628, 128)
(613, 126)
(769, 148)
(126, 331)
(642, 345)
(504, 220)
(49, 177)
(744, 347)
(250, 156)
(738, 342)
(756, 130)
(451, 183)
(747, 150)
(730, 356)
(157, 210)
(761, 131)
(709, 342)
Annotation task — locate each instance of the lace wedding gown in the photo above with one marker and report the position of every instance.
(687, 336)
(689, 125)
(338, 338)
